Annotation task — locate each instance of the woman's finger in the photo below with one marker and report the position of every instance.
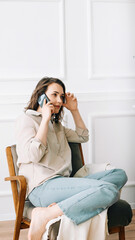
(74, 98)
(69, 94)
(44, 102)
(49, 103)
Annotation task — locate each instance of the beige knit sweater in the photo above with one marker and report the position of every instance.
(37, 162)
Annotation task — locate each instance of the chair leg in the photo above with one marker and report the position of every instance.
(17, 228)
(19, 208)
(122, 233)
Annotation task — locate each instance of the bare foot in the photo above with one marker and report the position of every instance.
(38, 223)
(40, 217)
(52, 204)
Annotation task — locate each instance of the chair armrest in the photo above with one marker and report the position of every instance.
(20, 179)
(19, 196)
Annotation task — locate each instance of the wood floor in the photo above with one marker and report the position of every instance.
(6, 231)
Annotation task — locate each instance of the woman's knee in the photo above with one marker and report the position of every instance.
(112, 194)
(122, 176)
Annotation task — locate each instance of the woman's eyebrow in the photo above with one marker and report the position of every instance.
(58, 93)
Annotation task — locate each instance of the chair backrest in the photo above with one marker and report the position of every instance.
(77, 157)
(15, 157)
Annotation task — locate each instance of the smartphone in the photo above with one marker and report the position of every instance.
(41, 99)
(54, 117)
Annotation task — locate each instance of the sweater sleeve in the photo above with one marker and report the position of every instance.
(29, 148)
(79, 135)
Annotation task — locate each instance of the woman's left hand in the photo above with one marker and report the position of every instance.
(71, 102)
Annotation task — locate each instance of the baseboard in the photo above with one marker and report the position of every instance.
(7, 217)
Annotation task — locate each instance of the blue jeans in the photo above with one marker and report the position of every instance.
(80, 198)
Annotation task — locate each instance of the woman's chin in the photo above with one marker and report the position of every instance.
(57, 110)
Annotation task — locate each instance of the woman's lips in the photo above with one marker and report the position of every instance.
(57, 106)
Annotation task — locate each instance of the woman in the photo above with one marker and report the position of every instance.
(44, 158)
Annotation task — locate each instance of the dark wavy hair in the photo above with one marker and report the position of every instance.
(41, 88)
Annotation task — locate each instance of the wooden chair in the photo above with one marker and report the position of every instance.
(119, 214)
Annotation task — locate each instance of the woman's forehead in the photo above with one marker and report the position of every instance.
(55, 87)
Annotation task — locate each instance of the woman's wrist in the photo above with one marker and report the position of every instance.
(45, 120)
(78, 119)
(74, 111)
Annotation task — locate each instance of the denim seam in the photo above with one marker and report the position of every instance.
(75, 203)
(66, 213)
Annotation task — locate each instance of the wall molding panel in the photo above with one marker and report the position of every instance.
(19, 79)
(7, 120)
(58, 66)
(106, 96)
(5, 194)
(13, 99)
(98, 150)
(130, 184)
(93, 74)
(91, 119)
(7, 216)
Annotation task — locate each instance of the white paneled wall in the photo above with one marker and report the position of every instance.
(30, 43)
(89, 44)
(112, 38)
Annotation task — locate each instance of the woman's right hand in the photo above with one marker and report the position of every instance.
(47, 110)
